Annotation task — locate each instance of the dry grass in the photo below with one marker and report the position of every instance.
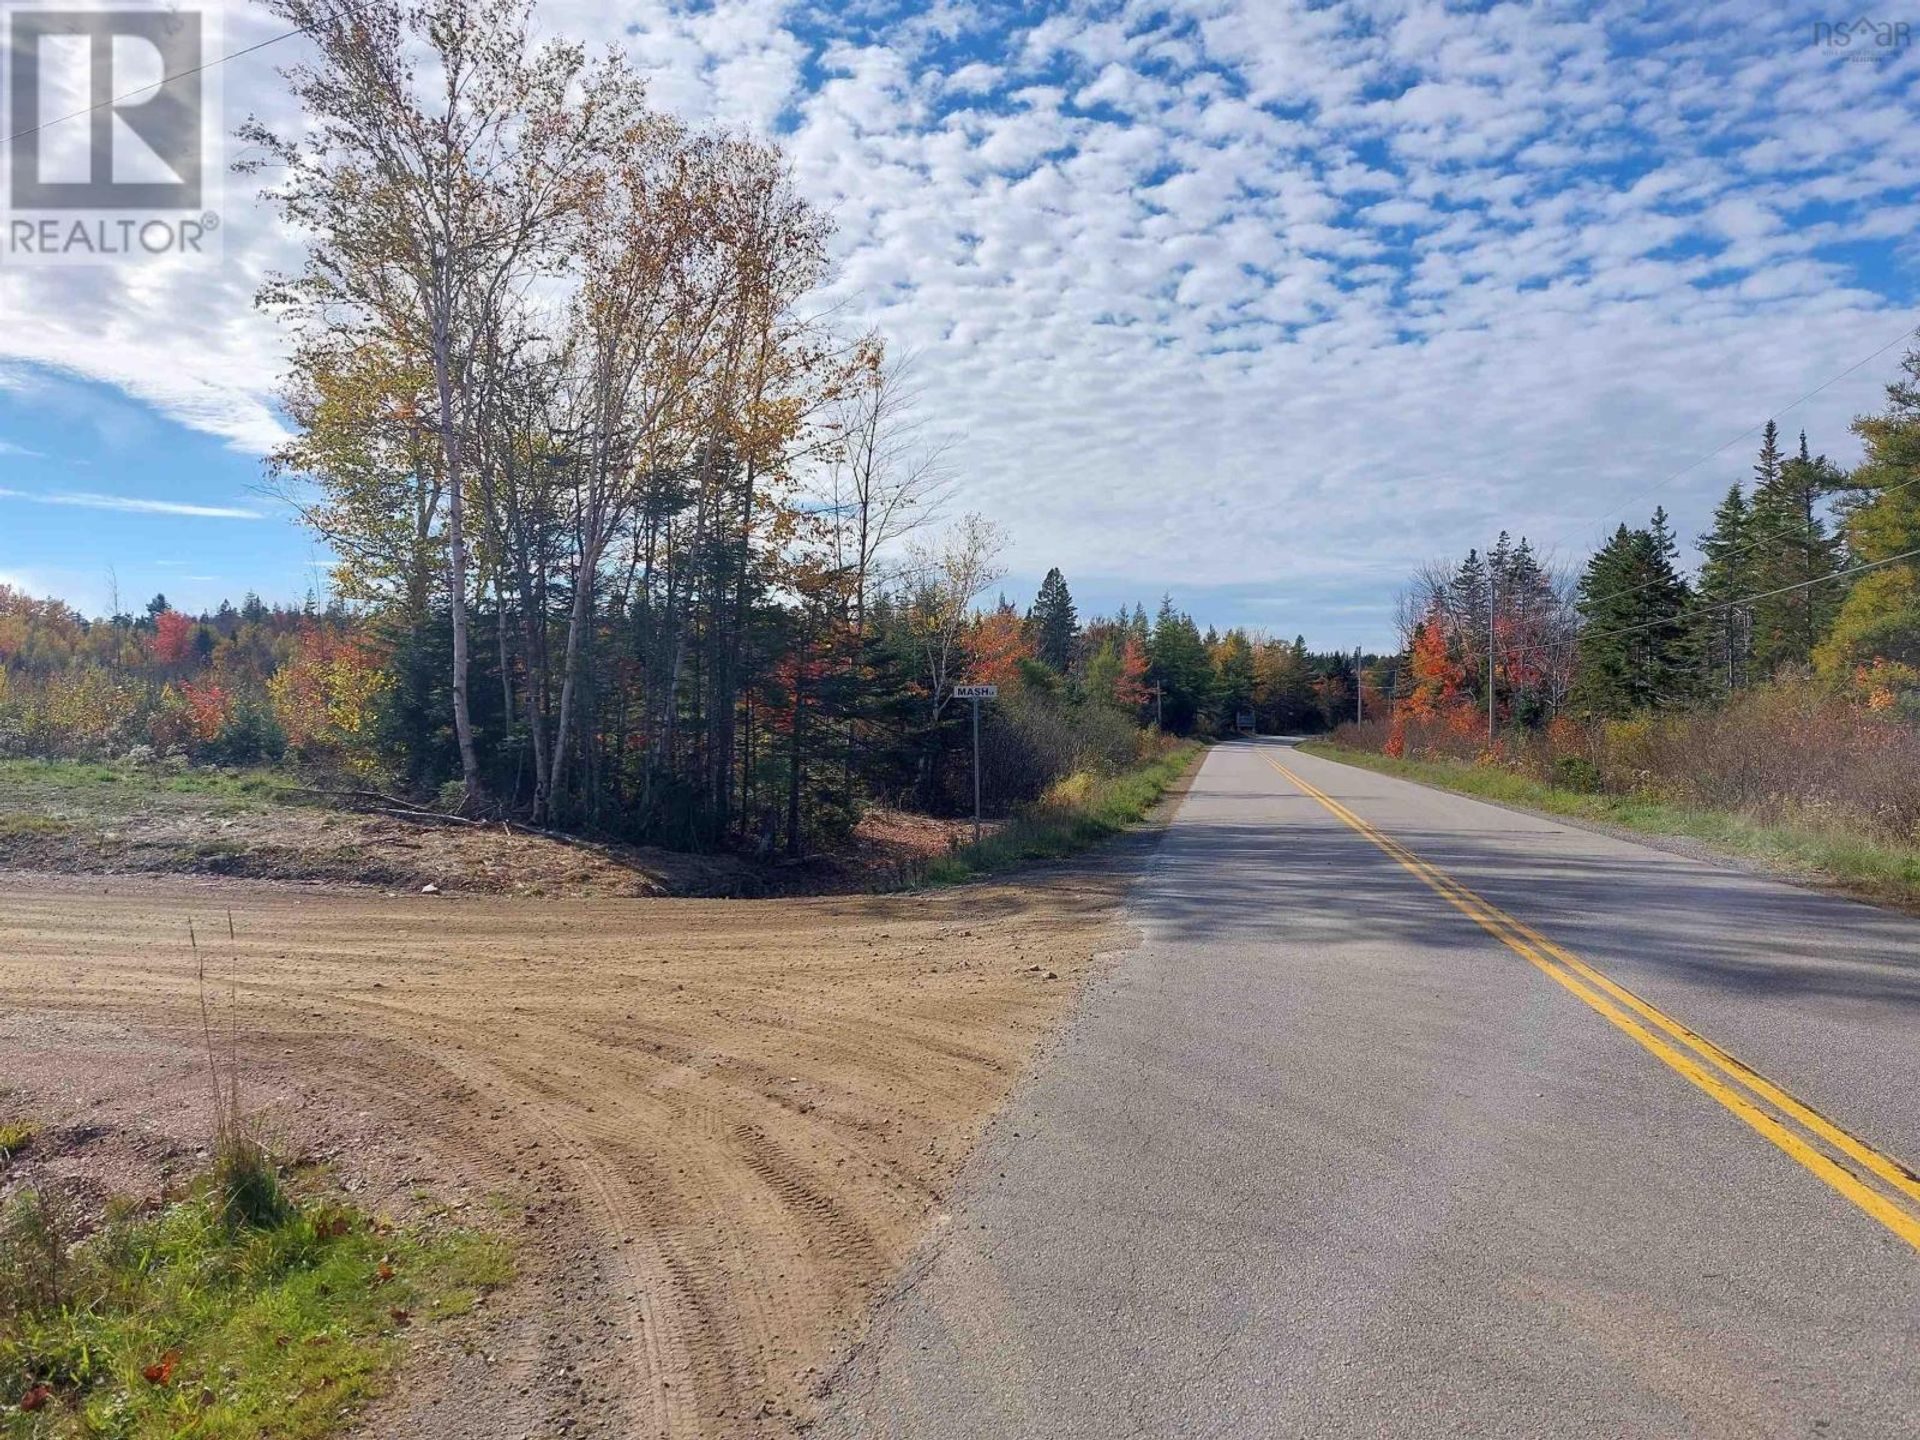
(1795, 754)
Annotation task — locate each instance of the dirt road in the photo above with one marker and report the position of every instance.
(713, 1127)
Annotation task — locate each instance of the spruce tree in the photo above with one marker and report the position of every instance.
(1791, 548)
(1726, 575)
(1469, 603)
(1879, 618)
(1182, 667)
(1053, 624)
(1636, 650)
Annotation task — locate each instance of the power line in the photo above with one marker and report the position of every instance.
(1746, 549)
(1686, 616)
(199, 69)
(1694, 464)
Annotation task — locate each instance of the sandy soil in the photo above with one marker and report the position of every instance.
(713, 1128)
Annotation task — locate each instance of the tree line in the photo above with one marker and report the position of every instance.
(647, 546)
(1806, 568)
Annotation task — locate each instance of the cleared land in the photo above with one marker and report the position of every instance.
(712, 1129)
(82, 817)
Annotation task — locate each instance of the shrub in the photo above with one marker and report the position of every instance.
(1576, 772)
(35, 1231)
(1799, 750)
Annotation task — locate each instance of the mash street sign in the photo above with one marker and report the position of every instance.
(975, 692)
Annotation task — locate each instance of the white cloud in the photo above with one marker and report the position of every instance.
(132, 504)
(1218, 292)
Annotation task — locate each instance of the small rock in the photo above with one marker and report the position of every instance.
(429, 889)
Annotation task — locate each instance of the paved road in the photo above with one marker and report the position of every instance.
(1340, 1151)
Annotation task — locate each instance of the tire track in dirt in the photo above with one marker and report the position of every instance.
(728, 1122)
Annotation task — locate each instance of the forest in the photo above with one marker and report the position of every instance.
(631, 539)
(1774, 671)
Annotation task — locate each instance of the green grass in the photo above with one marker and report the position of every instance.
(284, 1330)
(84, 777)
(1870, 868)
(1079, 812)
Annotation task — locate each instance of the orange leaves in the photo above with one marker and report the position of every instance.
(162, 1372)
(997, 646)
(1437, 675)
(36, 1398)
(172, 637)
(1130, 690)
(208, 707)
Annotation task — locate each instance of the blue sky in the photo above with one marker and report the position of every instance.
(1260, 303)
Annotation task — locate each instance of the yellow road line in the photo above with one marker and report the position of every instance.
(1707, 1066)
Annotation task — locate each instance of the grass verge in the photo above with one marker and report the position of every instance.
(178, 1321)
(1078, 812)
(1871, 869)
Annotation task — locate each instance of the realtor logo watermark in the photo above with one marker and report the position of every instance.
(112, 122)
(1867, 40)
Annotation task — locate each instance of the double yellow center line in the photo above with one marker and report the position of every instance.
(1874, 1181)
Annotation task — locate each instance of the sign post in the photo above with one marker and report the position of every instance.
(976, 693)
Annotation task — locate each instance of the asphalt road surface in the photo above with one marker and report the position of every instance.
(1416, 1116)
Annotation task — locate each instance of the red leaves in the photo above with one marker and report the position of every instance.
(161, 1373)
(402, 1318)
(384, 1273)
(172, 637)
(36, 1398)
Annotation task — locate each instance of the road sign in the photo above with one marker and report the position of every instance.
(976, 693)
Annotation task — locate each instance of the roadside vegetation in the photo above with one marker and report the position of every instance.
(1803, 843)
(247, 1302)
(1081, 810)
(1768, 704)
(194, 1317)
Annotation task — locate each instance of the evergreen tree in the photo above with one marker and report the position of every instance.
(1791, 547)
(1636, 650)
(1727, 574)
(1880, 616)
(1469, 612)
(1233, 675)
(1766, 467)
(1182, 668)
(1054, 625)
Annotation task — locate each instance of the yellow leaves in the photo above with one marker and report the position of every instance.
(326, 696)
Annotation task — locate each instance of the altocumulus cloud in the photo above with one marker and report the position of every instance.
(1251, 297)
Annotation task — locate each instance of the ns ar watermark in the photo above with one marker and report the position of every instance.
(1863, 39)
(113, 131)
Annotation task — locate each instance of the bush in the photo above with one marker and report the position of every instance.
(249, 736)
(1034, 737)
(1797, 751)
(1576, 772)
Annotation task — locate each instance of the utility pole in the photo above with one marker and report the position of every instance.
(1359, 690)
(1159, 709)
(1493, 606)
